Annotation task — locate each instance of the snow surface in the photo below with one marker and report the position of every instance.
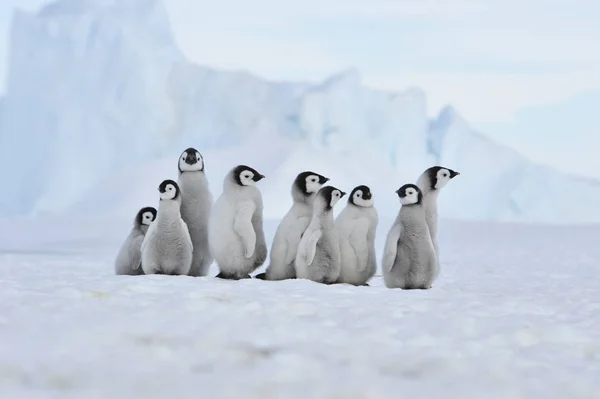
(514, 314)
(98, 88)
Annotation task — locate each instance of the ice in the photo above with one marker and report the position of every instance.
(99, 89)
(515, 313)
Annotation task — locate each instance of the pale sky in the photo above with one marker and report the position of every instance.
(491, 59)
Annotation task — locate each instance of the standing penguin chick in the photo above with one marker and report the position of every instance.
(318, 257)
(196, 202)
(356, 226)
(430, 183)
(409, 259)
(167, 247)
(235, 230)
(296, 220)
(129, 258)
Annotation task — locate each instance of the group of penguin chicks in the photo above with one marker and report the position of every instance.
(188, 231)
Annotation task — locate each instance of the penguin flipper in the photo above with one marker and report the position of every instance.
(135, 252)
(311, 245)
(358, 241)
(242, 225)
(391, 247)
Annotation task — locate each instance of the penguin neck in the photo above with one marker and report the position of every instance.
(196, 177)
(168, 209)
(413, 217)
(142, 228)
(322, 216)
(300, 198)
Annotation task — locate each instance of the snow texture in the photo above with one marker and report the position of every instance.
(514, 314)
(98, 89)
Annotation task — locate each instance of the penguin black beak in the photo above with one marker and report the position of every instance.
(367, 196)
(453, 174)
(258, 177)
(190, 160)
(324, 180)
(342, 194)
(397, 192)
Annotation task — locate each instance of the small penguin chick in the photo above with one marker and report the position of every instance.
(361, 196)
(191, 161)
(128, 261)
(410, 194)
(169, 190)
(287, 236)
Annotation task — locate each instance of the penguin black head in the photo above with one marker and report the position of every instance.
(169, 190)
(145, 216)
(310, 182)
(440, 176)
(246, 176)
(191, 161)
(361, 196)
(330, 196)
(410, 194)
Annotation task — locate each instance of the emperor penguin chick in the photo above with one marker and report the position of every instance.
(235, 230)
(167, 247)
(318, 257)
(287, 236)
(409, 258)
(129, 258)
(431, 181)
(356, 227)
(196, 203)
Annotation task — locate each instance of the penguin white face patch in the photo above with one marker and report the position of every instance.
(170, 192)
(147, 218)
(442, 177)
(191, 162)
(411, 196)
(247, 178)
(336, 195)
(359, 200)
(312, 184)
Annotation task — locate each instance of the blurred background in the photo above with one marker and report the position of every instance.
(99, 97)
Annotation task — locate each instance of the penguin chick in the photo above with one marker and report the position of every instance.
(318, 257)
(129, 258)
(196, 203)
(235, 231)
(431, 181)
(409, 259)
(296, 220)
(356, 227)
(167, 247)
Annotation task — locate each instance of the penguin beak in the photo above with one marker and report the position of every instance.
(343, 193)
(453, 174)
(258, 177)
(324, 180)
(190, 160)
(367, 196)
(397, 192)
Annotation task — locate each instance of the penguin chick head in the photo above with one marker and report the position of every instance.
(246, 176)
(329, 196)
(439, 176)
(310, 182)
(191, 161)
(361, 196)
(410, 194)
(169, 190)
(145, 216)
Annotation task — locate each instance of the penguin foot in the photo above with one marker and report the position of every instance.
(261, 276)
(231, 277)
(365, 285)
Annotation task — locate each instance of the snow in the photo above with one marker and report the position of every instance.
(515, 313)
(98, 89)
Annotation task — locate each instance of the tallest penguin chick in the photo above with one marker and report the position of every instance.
(235, 231)
(196, 203)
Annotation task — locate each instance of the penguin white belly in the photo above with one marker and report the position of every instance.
(226, 244)
(167, 247)
(285, 246)
(195, 211)
(358, 264)
(129, 256)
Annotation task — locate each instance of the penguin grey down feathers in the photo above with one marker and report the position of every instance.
(409, 258)
(196, 203)
(167, 247)
(235, 231)
(129, 258)
(356, 227)
(431, 181)
(318, 257)
(296, 220)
